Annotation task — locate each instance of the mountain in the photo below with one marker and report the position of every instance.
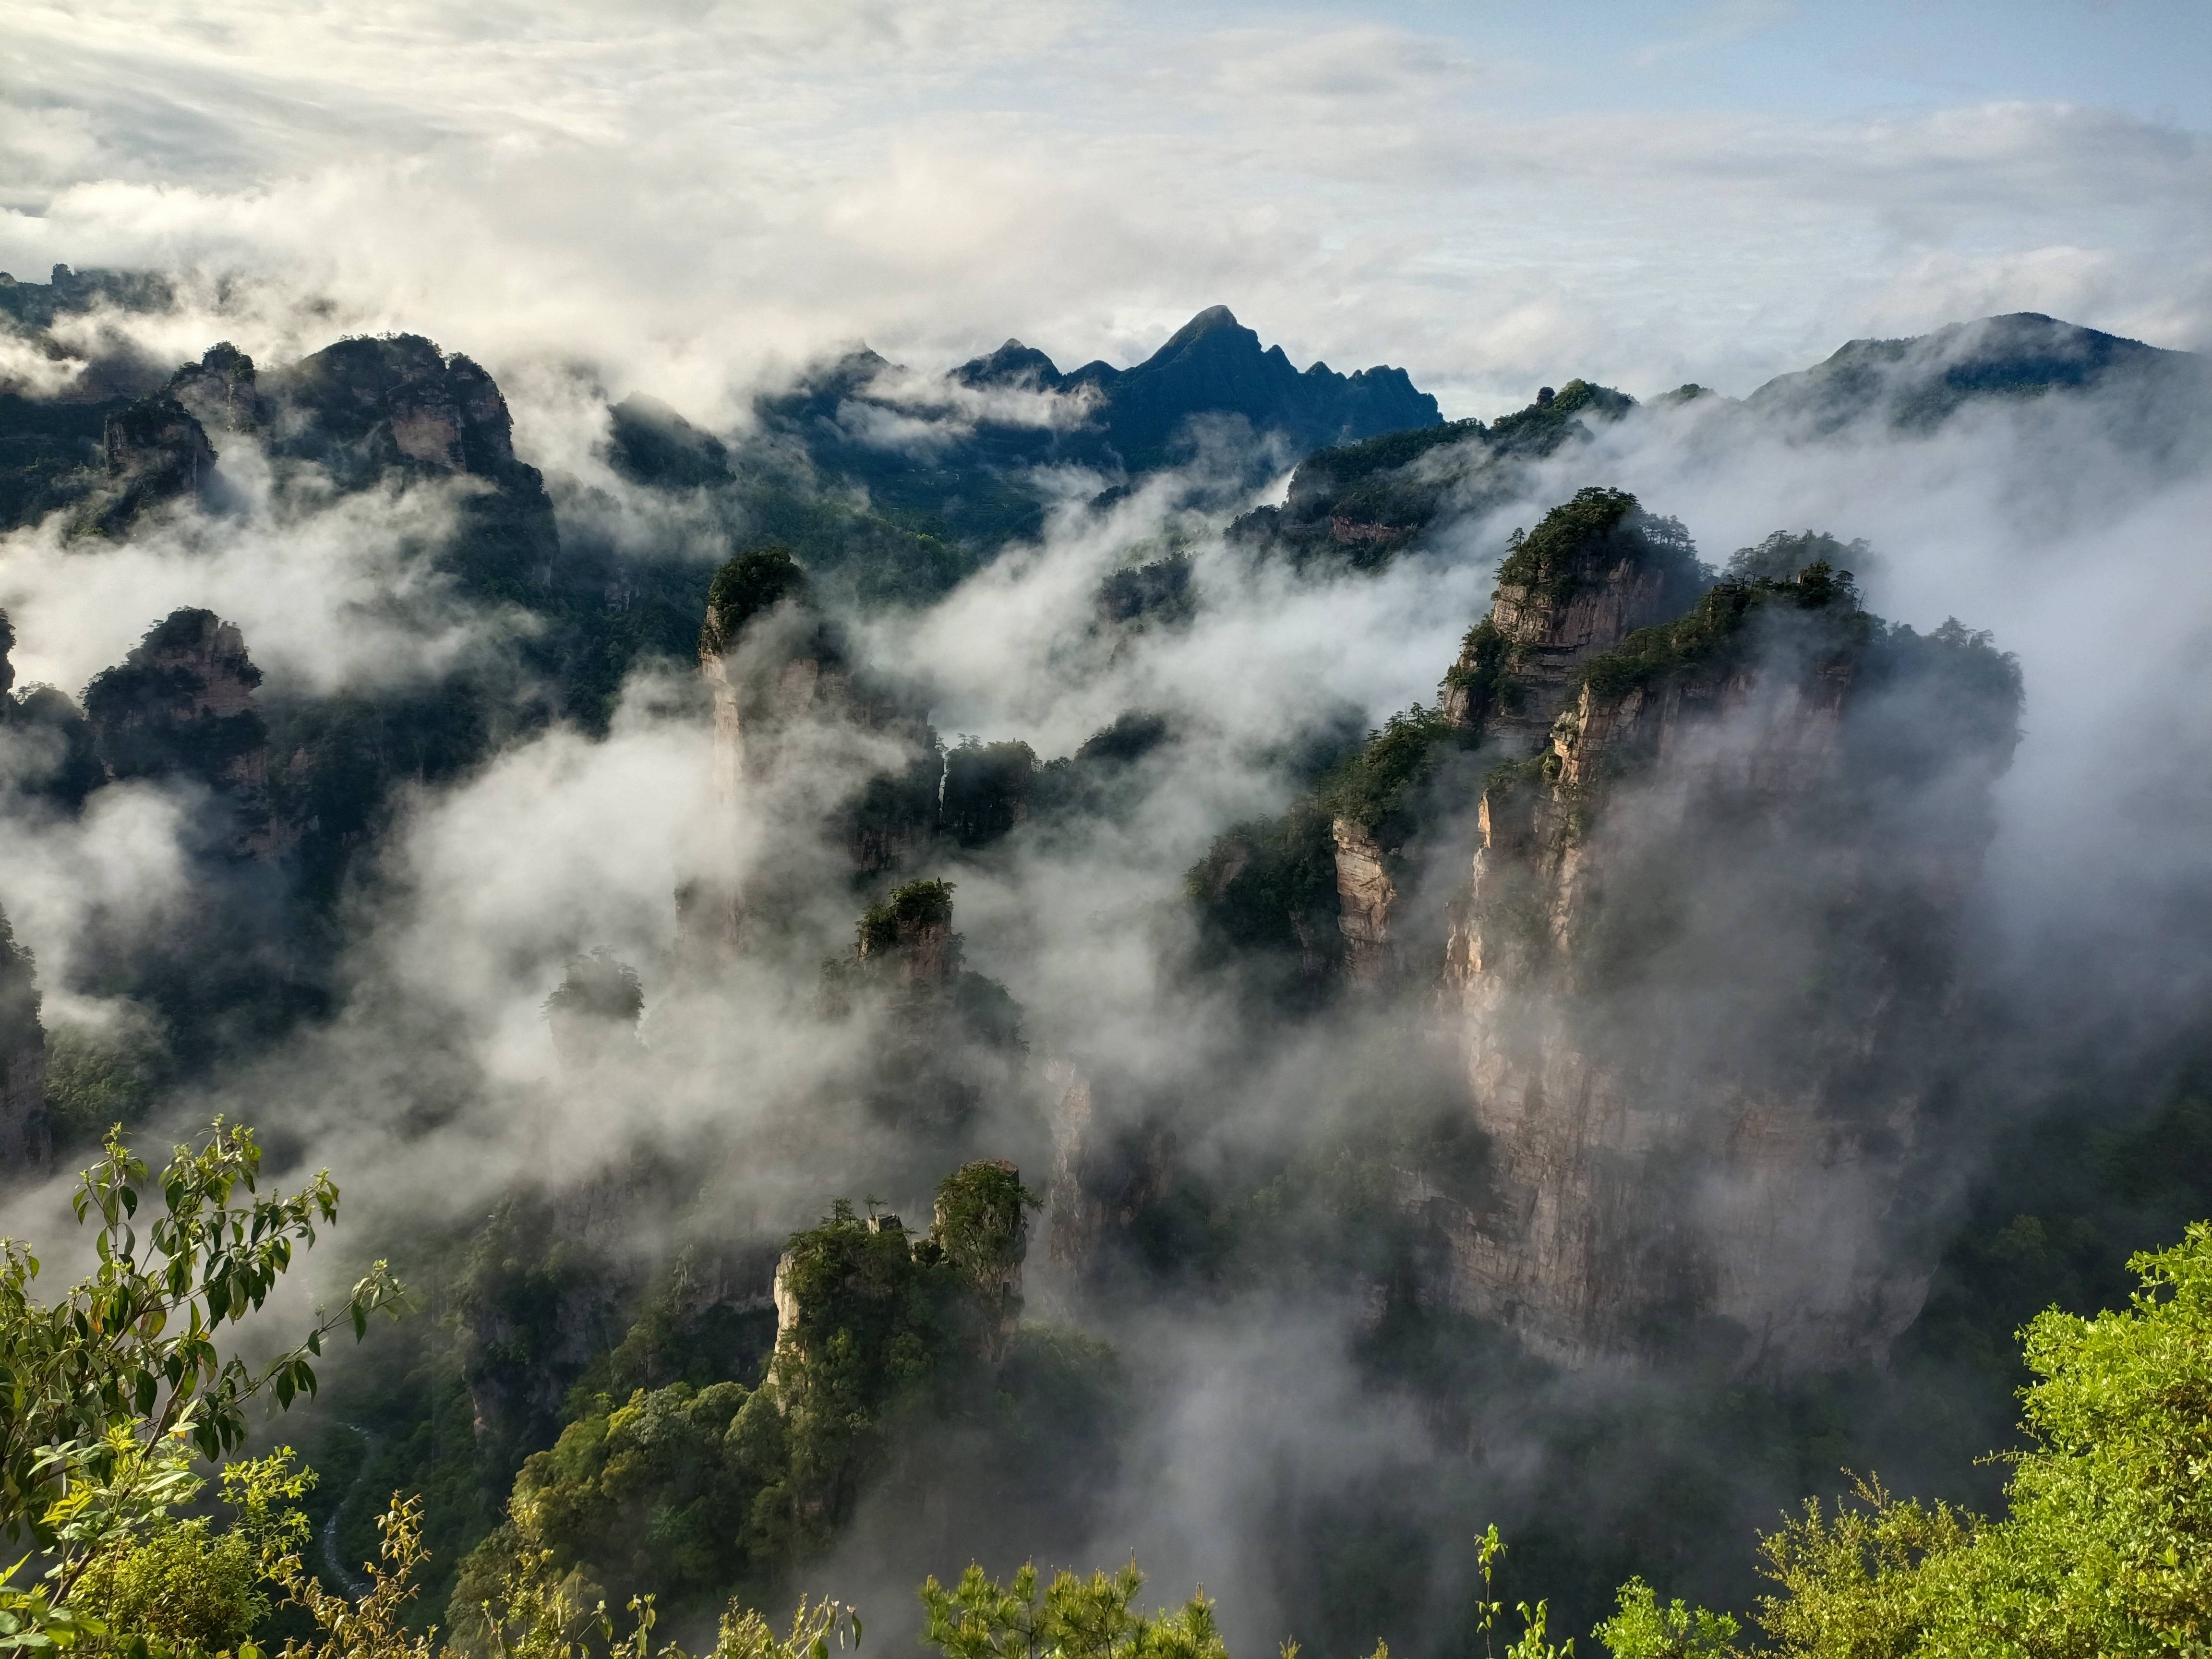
(1358, 505)
(1213, 364)
(1678, 866)
(1916, 383)
(922, 489)
(1617, 1012)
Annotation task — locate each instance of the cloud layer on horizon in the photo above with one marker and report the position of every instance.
(685, 196)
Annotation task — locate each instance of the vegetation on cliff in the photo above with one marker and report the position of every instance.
(688, 1492)
(1587, 534)
(1717, 631)
(1381, 788)
(749, 584)
(1359, 505)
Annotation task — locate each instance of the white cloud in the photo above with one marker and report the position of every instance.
(688, 197)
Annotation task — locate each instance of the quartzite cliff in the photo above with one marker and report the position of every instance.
(1699, 953)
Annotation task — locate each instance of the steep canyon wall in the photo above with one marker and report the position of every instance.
(1700, 953)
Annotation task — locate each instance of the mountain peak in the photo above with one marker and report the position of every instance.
(1917, 381)
(1212, 321)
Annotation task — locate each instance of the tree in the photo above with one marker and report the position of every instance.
(102, 1392)
(2106, 1548)
(1078, 1619)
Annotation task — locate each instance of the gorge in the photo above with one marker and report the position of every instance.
(649, 860)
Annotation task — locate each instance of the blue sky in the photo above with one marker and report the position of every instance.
(2152, 57)
(688, 195)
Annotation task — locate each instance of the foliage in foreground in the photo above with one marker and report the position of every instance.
(2106, 1545)
(108, 1395)
(106, 1392)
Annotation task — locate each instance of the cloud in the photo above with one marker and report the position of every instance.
(689, 198)
(329, 591)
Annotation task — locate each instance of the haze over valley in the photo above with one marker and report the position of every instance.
(1247, 859)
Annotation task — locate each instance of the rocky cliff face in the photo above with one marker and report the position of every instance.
(155, 452)
(1712, 842)
(1592, 572)
(1367, 892)
(183, 704)
(24, 1140)
(1702, 969)
(1109, 1169)
(221, 392)
(363, 405)
(794, 726)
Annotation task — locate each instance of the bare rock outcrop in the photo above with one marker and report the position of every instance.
(221, 390)
(1366, 892)
(1112, 1164)
(1593, 571)
(796, 729)
(1703, 972)
(183, 704)
(155, 452)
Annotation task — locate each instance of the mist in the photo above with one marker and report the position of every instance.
(1599, 1102)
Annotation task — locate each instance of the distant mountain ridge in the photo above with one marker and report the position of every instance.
(894, 486)
(1214, 365)
(1358, 505)
(1917, 381)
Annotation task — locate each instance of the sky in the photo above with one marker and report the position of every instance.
(686, 196)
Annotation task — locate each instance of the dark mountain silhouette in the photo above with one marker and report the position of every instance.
(1213, 364)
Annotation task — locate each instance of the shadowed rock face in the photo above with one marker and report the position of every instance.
(1698, 957)
(155, 452)
(24, 1140)
(393, 402)
(786, 695)
(182, 705)
(220, 391)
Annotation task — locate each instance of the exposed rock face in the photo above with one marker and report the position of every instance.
(1107, 1171)
(1367, 892)
(1704, 973)
(917, 941)
(24, 1140)
(1592, 572)
(793, 723)
(375, 403)
(1701, 965)
(182, 704)
(367, 412)
(155, 452)
(772, 666)
(220, 391)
